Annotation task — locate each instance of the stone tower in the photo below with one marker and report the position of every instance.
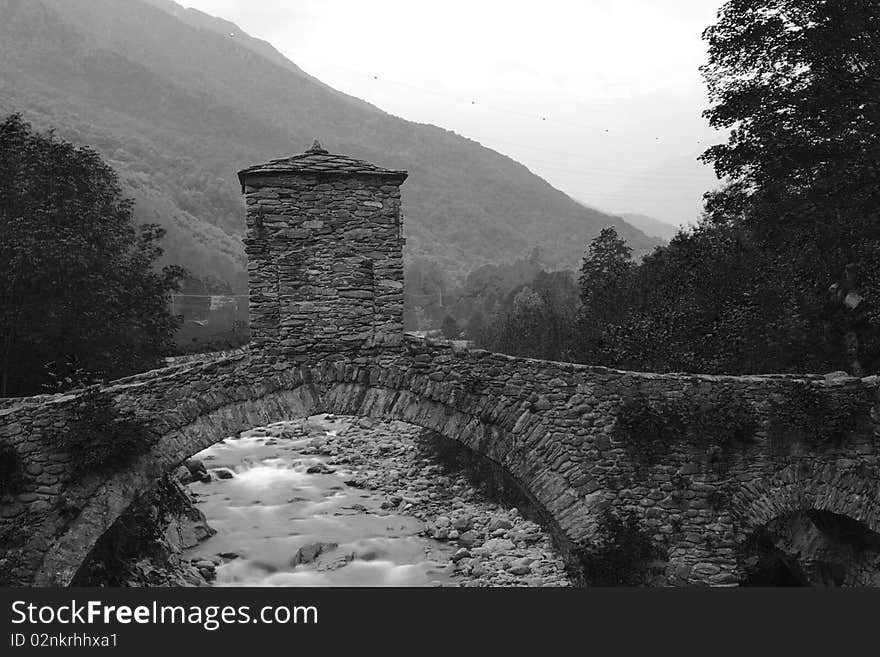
(325, 255)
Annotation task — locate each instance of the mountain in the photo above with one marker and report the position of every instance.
(650, 226)
(671, 191)
(177, 101)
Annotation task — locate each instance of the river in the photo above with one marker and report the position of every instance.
(285, 517)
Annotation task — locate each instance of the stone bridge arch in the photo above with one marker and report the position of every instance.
(811, 526)
(206, 418)
(806, 488)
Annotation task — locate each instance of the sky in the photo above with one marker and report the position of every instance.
(602, 98)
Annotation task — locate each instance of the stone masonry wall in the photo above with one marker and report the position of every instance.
(554, 426)
(325, 263)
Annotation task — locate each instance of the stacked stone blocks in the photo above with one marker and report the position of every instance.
(325, 257)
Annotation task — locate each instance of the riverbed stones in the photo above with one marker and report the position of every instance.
(444, 500)
(310, 552)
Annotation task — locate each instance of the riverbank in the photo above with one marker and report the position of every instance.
(145, 547)
(426, 476)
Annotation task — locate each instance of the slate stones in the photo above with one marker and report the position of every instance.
(325, 257)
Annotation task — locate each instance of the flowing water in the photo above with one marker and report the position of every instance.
(272, 516)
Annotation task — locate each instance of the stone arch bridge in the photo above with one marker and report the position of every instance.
(702, 462)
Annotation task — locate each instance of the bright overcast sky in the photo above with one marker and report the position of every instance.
(586, 93)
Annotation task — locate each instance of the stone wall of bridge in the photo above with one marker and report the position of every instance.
(573, 436)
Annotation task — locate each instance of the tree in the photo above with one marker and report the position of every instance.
(604, 278)
(798, 84)
(606, 266)
(81, 297)
(536, 320)
(798, 81)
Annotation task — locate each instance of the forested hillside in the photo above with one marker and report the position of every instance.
(178, 108)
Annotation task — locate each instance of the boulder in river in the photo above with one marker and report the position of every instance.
(320, 468)
(197, 470)
(311, 551)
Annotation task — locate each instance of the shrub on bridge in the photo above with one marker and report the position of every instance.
(619, 553)
(803, 412)
(648, 428)
(98, 438)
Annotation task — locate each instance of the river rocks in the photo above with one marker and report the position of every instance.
(468, 539)
(462, 553)
(320, 468)
(310, 552)
(197, 470)
(462, 523)
(499, 545)
(223, 473)
(492, 545)
(521, 566)
(499, 524)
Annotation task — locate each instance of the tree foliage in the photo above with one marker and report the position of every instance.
(535, 320)
(80, 297)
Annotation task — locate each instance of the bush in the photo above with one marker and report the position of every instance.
(98, 439)
(648, 428)
(804, 412)
(619, 552)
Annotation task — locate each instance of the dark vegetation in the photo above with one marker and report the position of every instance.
(800, 412)
(648, 428)
(99, 438)
(619, 553)
(80, 296)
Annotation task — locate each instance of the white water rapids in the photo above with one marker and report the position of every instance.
(272, 508)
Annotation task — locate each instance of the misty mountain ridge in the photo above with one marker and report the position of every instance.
(650, 226)
(177, 101)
